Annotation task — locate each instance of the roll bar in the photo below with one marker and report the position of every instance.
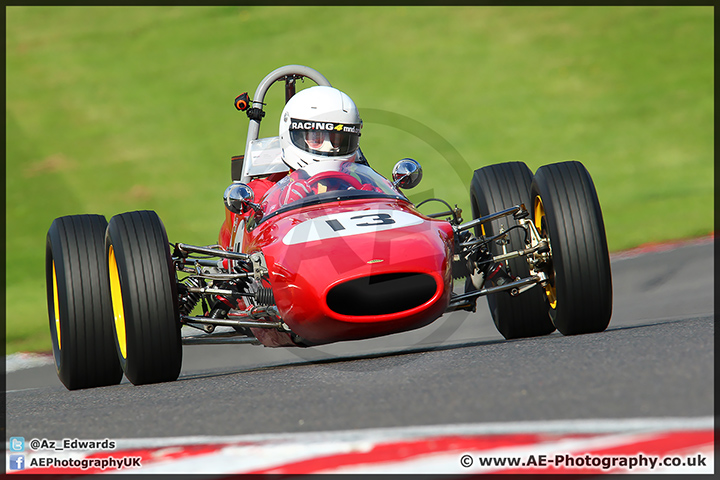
(289, 73)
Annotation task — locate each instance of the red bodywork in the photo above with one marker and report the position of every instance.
(367, 283)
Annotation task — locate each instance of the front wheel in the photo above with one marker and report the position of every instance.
(144, 298)
(567, 213)
(78, 298)
(494, 188)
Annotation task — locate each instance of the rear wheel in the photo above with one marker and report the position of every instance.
(144, 298)
(567, 213)
(494, 188)
(78, 298)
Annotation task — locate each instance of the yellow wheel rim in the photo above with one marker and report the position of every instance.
(56, 306)
(117, 303)
(550, 290)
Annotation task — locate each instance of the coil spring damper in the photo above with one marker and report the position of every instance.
(188, 299)
(498, 277)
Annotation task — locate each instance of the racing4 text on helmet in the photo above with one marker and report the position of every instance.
(319, 123)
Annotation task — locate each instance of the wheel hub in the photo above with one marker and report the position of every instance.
(540, 224)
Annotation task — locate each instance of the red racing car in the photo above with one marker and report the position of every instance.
(329, 252)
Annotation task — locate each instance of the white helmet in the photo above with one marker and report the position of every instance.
(319, 123)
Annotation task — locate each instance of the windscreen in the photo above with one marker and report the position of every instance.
(326, 181)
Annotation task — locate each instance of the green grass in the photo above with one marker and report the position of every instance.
(111, 109)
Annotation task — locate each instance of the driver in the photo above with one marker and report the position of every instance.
(317, 124)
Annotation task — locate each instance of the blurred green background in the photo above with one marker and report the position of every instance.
(111, 109)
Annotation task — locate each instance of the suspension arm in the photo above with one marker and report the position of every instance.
(215, 252)
(459, 302)
(219, 291)
(228, 322)
(492, 216)
(214, 339)
(541, 247)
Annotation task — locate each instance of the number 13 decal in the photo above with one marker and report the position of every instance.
(345, 224)
(377, 219)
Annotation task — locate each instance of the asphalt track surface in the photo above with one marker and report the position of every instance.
(655, 360)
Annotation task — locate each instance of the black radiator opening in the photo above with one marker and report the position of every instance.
(381, 294)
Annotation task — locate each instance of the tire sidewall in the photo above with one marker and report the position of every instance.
(122, 278)
(54, 253)
(540, 189)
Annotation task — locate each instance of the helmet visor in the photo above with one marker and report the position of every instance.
(325, 138)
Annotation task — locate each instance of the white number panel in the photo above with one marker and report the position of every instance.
(346, 224)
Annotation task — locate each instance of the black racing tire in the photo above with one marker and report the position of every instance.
(144, 296)
(566, 211)
(79, 306)
(494, 188)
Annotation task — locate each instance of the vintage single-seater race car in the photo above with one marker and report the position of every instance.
(349, 258)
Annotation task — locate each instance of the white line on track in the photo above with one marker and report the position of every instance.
(649, 248)
(638, 425)
(24, 360)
